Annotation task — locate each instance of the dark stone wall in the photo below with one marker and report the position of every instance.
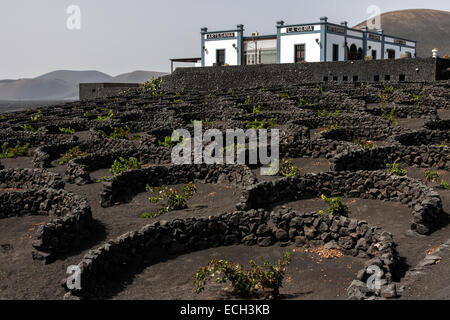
(426, 204)
(124, 186)
(70, 219)
(101, 90)
(156, 241)
(212, 78)
(374, 159)
(30, 178)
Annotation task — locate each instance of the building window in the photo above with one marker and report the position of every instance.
(387, 77)
(335, 52)
(345, 78)
(374, 54)
(402, 78)
(355, 53)
(220, 57)
(299, 53)
(355, 78)
(263, 56)
(376, 78)
(391, 54)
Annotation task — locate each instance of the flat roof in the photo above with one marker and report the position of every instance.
(186, 59)
(265, 37)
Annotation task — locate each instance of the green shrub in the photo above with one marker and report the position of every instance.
(284, 95)
(288, 169)
(120, 166)
(36, 116)
(117, 133)
(332, 125)
(67, 130)
(444, 185)
(256, 109)
(29, 128)
(14, 152)
(71, 154)
(107, 117)
(246, 102)
(246, 283)
(418, 98)
(303, 102)
(335, 207)
(365, 144)
(320, 88)
(383, 98)
(153, 84)
(123, 165)
(175, 200)
(395, 169)
(390, 116)
(431, 176)
(259, 124)
(168, 142)
(325, 114)
(389, 90)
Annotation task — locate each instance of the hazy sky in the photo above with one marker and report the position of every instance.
(118, 36)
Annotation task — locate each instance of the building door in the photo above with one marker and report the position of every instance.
(374, 54)
(220, 57)
(335, 52)
(353, 53)
(299, 53)
(391, 54)
(360, 54)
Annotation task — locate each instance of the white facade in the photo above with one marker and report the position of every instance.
(290, 37)
(315, 42)
(231, 56)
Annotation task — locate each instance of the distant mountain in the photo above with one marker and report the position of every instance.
(430, 28)
(37, 89)
(138, 76)
(76, 77)
(63, 84)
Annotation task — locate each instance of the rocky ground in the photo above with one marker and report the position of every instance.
(322, 129)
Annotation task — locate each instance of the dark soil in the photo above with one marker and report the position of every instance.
(308, 277)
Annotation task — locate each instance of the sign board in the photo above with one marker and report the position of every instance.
(220, 35)
(401, 42)
(374, 37)
(299, 29)
(336, 29)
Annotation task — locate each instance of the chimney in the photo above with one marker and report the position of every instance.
(344, 24)
(324, 19)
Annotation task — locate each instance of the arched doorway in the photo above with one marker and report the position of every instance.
(353, 52)
(360, 54)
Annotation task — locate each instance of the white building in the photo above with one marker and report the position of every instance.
(313, 42)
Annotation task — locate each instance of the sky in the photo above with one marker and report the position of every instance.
(119, 36)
